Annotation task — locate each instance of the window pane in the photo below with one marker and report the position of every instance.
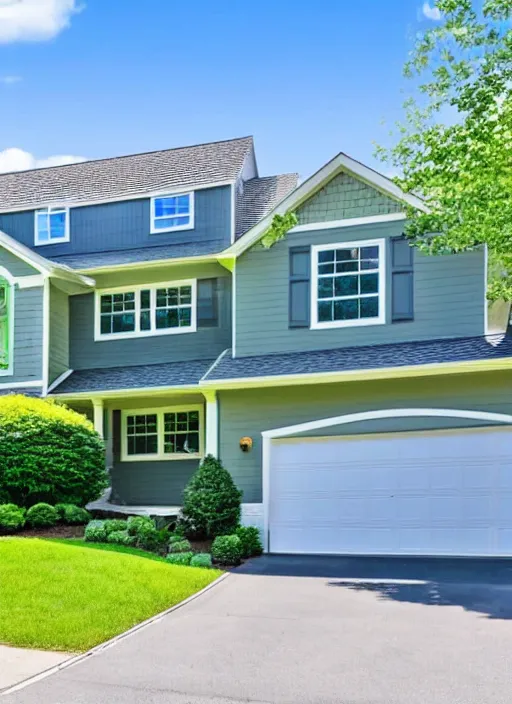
(123, 323)
(184, 202)
(369, 307)
(343, 255)
(43, 234)
(106, 304)
(325, 311)
(185, 317)
(369, 283)
(106, 324)
(342, 267)
(346, 286)
(167, 318)
(145, 320)
(325, 288)
(326, 269)
(327, 256)
(58, 225)
(346, 310)
(369, 252)
(185, 295)
(145, 299)
(167, 223)
(370, 264)
(193, 442)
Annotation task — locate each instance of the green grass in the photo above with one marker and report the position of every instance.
(109, 547)
(61, 596)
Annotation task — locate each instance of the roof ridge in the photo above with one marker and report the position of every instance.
(126, 156)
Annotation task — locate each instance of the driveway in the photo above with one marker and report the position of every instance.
(301, 630)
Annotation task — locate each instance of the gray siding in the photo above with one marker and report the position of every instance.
(59, 333)
(151, 483)
(126, 224)
(449, 297)
(345, 197)
(28, 336)
(251, 411)
(206, 343)
(16, 267)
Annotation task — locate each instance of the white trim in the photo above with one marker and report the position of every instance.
(380, 319)
(212, 424)
(161, 455)
(340, 163)
(486, 302)
(191, 213)
(269, 435)
(56, 382)
(153, 264)
(350, 222)
(115, 199)
(35, 281)
(133, 393)
(22, 385)
(11, 293)
(99, 427)
(46, 335)
(154, 332)
(233, 310)
(48, 208)
(234, 189)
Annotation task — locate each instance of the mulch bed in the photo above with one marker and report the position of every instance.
(55, 532)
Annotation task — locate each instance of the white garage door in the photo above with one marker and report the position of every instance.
(436, 493)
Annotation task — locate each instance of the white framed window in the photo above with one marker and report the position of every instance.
(348, 284)
(51, 225)
(6, 326)
(173, 433)
(172, 212)
(138, 311)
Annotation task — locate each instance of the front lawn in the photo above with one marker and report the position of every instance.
(68, 597)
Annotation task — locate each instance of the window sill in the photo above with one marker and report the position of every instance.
(178, 228)
(150, 333)
(161, 458)
(360, 322)
(45, 244)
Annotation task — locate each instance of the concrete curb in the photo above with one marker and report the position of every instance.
(109, 643)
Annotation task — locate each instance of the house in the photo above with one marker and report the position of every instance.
(346, 380)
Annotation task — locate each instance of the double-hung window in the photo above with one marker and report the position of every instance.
(6, 326)
(51, 226)
(172, 212)
(348, 285)
(159, 309)
(162, 434)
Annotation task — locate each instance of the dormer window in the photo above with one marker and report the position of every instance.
(172, 212)
(52, 226)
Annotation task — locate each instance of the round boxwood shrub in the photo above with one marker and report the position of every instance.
(201, 559)
(140, 524)
(251, 540)
(182, 545)
(227, 549)
(115, 525)
(179, 558)
(120, 537)
(95, 532)
(42, 516)
(12, 518)
(72, 515)
(49, 453)
(211, 500)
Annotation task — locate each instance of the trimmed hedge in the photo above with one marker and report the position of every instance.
(182, 545)
(211, 500)
(95, 532)
(180, 558)
(251, 541)
(120, 537)
(42, 516)
(49, 453)
(72, 515)
(114, 525)
(201, 559)
(12, 518)
(227, 549)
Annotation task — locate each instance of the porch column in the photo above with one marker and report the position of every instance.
(97, 405)
(212, 423)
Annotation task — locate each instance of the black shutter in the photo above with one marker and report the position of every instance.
(207, 303)
(402, 280)
(116, 435)
(300, 286)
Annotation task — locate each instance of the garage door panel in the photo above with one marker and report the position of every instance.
(445, 493)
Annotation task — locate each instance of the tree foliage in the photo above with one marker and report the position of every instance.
(454, 145)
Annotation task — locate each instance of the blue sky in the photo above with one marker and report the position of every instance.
(122, 76)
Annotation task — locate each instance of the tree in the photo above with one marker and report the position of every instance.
(454, 145)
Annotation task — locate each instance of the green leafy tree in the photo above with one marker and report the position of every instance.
(454, 145)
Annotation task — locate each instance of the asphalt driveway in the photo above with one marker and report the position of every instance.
(285, 629)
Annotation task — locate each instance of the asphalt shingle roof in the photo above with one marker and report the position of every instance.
(137, 377)
(364, 358)
(105, 179)
(260, 196)
(142, 254)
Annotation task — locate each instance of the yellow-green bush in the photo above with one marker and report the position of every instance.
(48, 453)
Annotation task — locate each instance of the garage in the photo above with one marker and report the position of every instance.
(445, 492)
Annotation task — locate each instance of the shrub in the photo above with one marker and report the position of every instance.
(180, 546)
(227, 549)
(180, 558)
(115, 525)
(251, 540)
(12, 518)
(201, 559)
(72, 515)
(212, 502)
(49, 453)
(175, 538)
(153, 540)
(42, 516)
(95, 532)
(120, 537)
(138, 524)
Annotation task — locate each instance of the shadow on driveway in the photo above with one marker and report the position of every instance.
(480, 585)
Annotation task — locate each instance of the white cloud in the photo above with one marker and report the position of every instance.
(34, 20)
(14, 159)
(10, 80)
(431, 13)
